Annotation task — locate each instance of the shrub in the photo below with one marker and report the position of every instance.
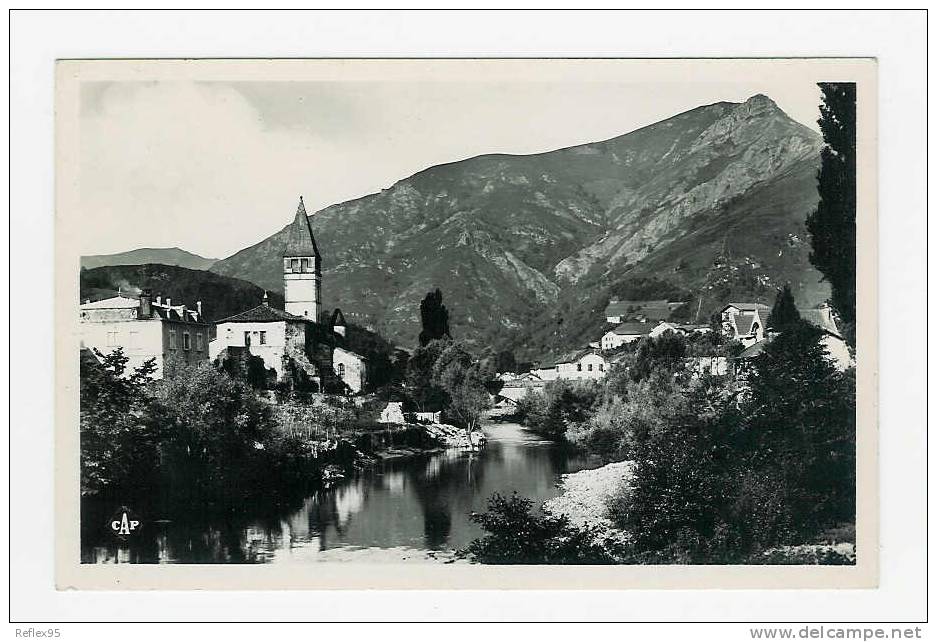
(517, 536)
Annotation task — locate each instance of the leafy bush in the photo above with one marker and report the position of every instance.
(517, 536)
(561, 404)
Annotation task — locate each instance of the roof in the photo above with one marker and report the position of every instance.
(263, 313)
(753, 350)
(632, 328)
(115, 302)
(821, 318)
(338, 319)
(744, 322)
(748, 307)
(158, 310)
(570, 357)
(351, 352)
(299, 238)
(88, 359)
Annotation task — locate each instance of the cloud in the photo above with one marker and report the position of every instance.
(194, 164)
(215, 167)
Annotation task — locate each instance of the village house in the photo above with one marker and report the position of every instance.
(685, 329)
(744, 322)
(837, 349)
(145, 329)
(624, 333)
(293, 343)
(519, 386)
(545, 372)
(581, 364)
(284, 341)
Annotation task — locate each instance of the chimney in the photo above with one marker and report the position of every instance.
(159, 299)
(145, 310)
(198, 307)
(265, 298)
(168, 302)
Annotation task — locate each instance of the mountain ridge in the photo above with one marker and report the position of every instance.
(510, 238)
(175, 256)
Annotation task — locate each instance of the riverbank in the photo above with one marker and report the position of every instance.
(398, 441)
(584, 501)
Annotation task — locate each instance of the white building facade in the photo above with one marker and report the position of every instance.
(624, 333)
(145, 329)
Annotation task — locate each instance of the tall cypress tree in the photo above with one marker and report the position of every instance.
(784, 313)
(832, 226)
(434, 317)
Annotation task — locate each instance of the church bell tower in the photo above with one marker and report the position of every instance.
(302, 268)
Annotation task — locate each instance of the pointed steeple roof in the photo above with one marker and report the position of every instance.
(299, 238)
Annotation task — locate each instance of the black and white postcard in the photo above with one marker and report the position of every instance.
(469, 323)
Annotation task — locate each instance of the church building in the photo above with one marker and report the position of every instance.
(296, 344)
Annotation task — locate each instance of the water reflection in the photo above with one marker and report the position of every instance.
(412, 509)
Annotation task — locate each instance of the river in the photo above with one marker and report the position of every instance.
(407, 510)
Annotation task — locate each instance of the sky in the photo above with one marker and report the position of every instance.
(214, 167)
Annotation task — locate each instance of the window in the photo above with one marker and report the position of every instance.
(590, 367)
(286, 265)
(601, 367)
(304, 265)
(263, 337)
(134, 341)
(294, 265)
(247, 338)
(341, 370)
(172, 339)
(198, 342)
(112, 339)
(186, 341)
(579, 367)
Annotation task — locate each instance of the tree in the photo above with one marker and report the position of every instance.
(435, 318)
(666, 352)
(676, 502)
(217, 433)
(802, 430)
(832, 225)
(426, 393)
(464, 382)
(784, 313)
(118, 449)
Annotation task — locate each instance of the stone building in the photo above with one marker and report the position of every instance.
(145, 329)
(298, 344)
(286, 342)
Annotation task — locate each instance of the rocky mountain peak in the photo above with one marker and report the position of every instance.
(507, 237)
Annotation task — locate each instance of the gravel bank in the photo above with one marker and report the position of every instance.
(585, 495)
